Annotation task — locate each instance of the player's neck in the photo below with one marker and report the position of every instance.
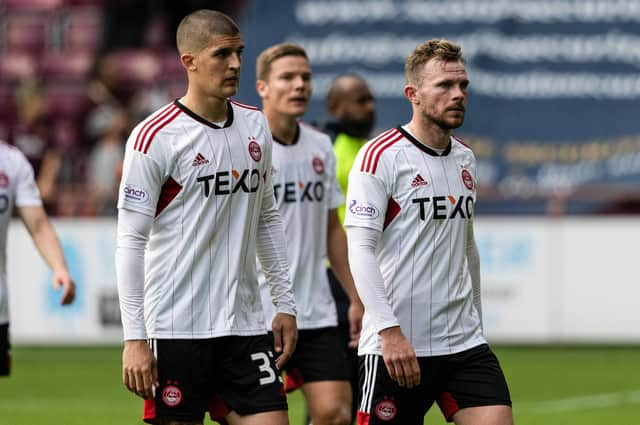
(211, 108)
(283, 127)
(429, 134)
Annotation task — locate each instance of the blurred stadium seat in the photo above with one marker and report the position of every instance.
(66, 66)
(17, 66)
(81, 29)
(27, 32)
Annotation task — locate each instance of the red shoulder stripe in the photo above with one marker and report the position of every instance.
(242, 105)
(138, 145)
(381, 138)
(461, 142)
(389, 143)
(160, 126)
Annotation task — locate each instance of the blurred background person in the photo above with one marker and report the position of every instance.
(352, 109)
(33, 136)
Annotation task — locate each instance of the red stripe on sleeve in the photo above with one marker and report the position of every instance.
(159, 127)
(389, 143)
(145, 128)
(372, 146)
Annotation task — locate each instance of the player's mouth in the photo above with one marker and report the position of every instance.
(298, 100)
(231, 80)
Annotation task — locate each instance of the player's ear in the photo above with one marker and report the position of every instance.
(188, 61)
(411, 93)
(261, 88)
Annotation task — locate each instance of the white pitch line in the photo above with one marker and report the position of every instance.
(595, 401)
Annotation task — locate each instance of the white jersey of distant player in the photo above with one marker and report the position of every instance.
(422, 202)
(204, 185)
(305, 186)
(17, 189)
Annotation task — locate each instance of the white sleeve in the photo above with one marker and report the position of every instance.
(271, 246)
(473, 259)
(133, 235)
(367, 196)
(368, 277)
(26, 189)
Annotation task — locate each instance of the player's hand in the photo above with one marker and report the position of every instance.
(355, 313)
(61, 279)
(285, 337)
(400, 358)
(139, 369)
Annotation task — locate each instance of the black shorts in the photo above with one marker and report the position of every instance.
(5, 350)
(320, 355)
(468, 379)
(217, 375)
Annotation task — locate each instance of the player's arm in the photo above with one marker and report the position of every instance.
(44, 236)
(272, 254)
(337, 252)
(473, 259)
(139, 371)
(397, 352)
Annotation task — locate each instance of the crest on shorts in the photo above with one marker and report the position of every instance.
(171, 395)
(467, 179)
(254, 149)
(386, 410)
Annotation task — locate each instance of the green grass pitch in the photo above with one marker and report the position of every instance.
(549, 385)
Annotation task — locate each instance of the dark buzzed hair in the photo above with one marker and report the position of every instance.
(195, 30)
(270, 55)
(431, 49)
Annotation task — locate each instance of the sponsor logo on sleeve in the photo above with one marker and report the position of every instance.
(135, 194)
(363, 210)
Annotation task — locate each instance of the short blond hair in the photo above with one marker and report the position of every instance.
(195, 30)
(436, 48)
(271, 54)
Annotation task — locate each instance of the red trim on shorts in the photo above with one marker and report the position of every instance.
(149, 412)
(448, 405)
(145, 128)
(393, 209)
(218, 409)
(293, 380)
(168, 192)
(362, 418)
(242, 105)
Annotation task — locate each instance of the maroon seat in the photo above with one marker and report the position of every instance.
(27, 32)
(81, 29)
(39, 5)
(66, 66)
(67, 100)
(17, 66)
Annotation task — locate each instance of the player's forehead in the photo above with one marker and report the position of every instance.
(290, 63)
(223, 41)
(438, 69)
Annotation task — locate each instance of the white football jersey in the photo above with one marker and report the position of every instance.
(305, 187)
(17, 189)
(422, 201)
(205, 186)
